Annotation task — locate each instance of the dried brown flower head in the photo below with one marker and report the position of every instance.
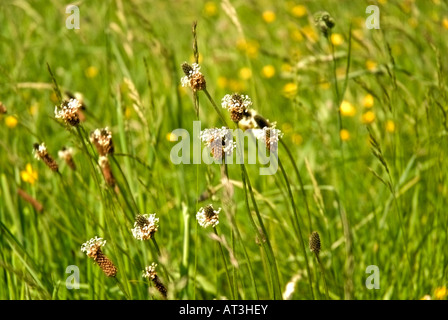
(102, 140)
(41, 153)
(68, 111)
(314, 242)
(103, 161)
(66, 154)
(93, 250)
(193, 77)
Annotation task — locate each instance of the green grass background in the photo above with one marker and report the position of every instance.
(365, 216)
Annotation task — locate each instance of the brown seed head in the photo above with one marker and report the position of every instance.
(314, 242)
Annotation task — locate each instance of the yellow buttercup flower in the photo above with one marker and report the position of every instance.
(445, 23)
(390, 126)
(290, 89)
(336, 39)
(371, 65)
(344, 134)
(171, 136)
(298, 11)
(368, 101)
(11, 122)
(297, 139)
(268, 16)
(245, 73)
(210, 9)
(440, 293)
(268, 71)
(347, 109)
(91, 72)
(368, 117)
(29, 175)
(222, 82)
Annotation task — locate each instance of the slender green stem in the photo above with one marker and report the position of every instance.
(299, 177)
(296, 216)
(323, 275)
(225, 263)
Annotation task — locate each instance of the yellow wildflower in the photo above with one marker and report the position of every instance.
(268, 16)
(390, 126)
(371, 65)
(440, 293)
(298, 11)
(368, 117)
(344, 134)
(11, 122)
(210, 8)
(347, 109)
(297, 139)
(336, 39)
(368, 101)
(290, 89)
(91, 72)
(245, 73)
(445, 23)
(29, 175)
(268, 71)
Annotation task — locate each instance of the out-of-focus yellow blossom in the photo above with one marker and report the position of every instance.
(127, 112)
(371, 65)
(426, 297)
(347, 109)
(298, 11)
(171, 136)
(29, 175)
(210, 9)
(268, 71)
(251, 47)
(236, 85)
(344, 134)
(34, 108)
(445, 23)
(268, 16)
(286, 127)
(436, 2)
(11, 122)
(54, 98)
(290, 89)
(440, 293)
(390, 126)
(368, 101)
(222, 82)
(245, 73)
(368, 117)
(297, 139)
(91, 72)
(325, 85)
(336, 39)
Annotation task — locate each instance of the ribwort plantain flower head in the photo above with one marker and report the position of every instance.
(219, 140)
(68, 112)
(270, 136)
(193, 77)
(145, 226)
(238, 105)
(102, 139)
(208, 217)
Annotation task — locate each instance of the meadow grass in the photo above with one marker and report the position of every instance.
(362, 160)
